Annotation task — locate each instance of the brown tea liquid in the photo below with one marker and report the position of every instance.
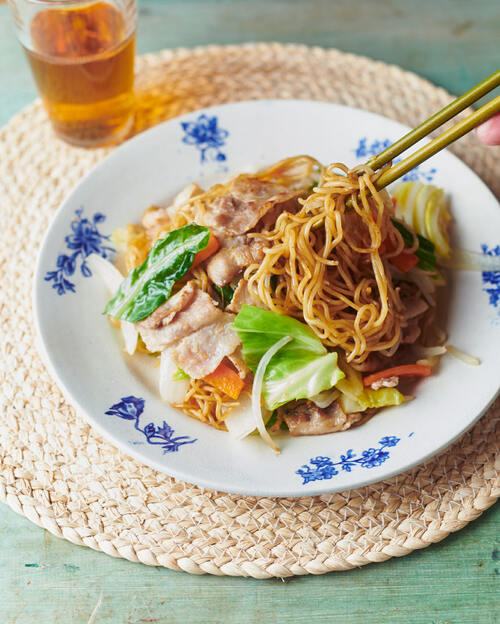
(84, 71)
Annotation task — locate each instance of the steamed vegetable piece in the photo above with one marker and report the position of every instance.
(425, 250)
(261, 414)
(149, 285)
(407, 370)
(172, 389)
(227, 380)
(241, 422)
(112, 277)
(179, 375)
(354, 397)
(212, 246)
(424, 208)
(404, 262)
(464, 260)
(369, 399)
(225, 294)
(299, 370)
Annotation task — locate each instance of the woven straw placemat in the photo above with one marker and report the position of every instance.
(64, 477)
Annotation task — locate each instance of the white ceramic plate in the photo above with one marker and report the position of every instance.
(117, 394)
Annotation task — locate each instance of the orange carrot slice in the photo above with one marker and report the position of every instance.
(226, 379)
(212, 246)
(408, 370)
(404, 261)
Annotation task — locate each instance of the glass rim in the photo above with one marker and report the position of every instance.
(59, 2)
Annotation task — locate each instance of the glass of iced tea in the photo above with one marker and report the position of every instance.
(81, 54)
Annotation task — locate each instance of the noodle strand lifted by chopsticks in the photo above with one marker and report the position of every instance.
(331, 267)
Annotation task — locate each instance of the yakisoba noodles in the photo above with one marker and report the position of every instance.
(207, 404)
(328, 264)
(302, 286)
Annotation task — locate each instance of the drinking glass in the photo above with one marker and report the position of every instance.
(81, 55)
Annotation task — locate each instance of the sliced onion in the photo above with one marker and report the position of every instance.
(431, 361)
(430, 351)
(130, 336)
(107, 271)
(464, 260)
(171, 390)
(240, 422)
(426, 285)
(112, 279)
(257, 391)
(467, 359)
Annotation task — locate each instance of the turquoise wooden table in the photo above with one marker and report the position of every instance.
(47, 580)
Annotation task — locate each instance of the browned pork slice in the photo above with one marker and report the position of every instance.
(243, 296)
(374, 362)
(414, 307)
(201, 352)
(236, 254)
(410, 333)
(181, 315)
(414, 315)
(246, 202)
(306, 418)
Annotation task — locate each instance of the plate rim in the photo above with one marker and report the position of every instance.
(113, 438)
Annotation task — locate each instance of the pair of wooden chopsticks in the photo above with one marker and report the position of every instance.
(444, 139)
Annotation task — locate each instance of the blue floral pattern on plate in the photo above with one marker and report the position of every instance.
(84, 240)
(131, 408)
(491, 279)
(365, 149)
(322, 468)
(205, 134)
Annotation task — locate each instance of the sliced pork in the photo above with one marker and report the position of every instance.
(157, 218)
(235, 256)
(306, 418)
(184, 313)
(415, 313)
(165, 313)
(243, 296)
(240, 209)
(202, 351)
(411, 333)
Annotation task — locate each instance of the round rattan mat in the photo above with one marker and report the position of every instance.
(60, 474)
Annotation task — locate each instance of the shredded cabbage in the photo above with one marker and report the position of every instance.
(370, 398)
(424, 208)
(302, 369)
(355, 397)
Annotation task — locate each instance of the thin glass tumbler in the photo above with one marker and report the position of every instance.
(81, 55)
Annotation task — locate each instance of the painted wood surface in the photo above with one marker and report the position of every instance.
(45, 580)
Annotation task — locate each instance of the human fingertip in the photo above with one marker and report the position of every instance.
(489, 132)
